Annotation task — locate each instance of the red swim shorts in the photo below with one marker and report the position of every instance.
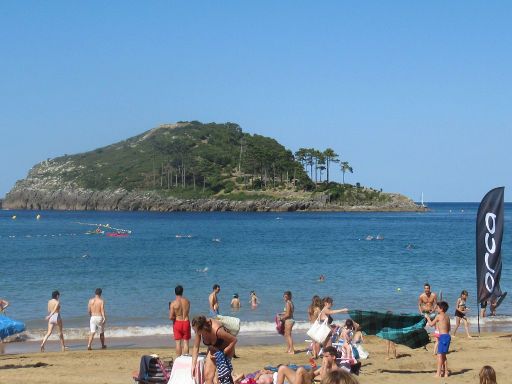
(181, 329)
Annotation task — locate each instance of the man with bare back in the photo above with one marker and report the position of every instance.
(96, 310)
(427, 302)
(178, 313)
(213, 301)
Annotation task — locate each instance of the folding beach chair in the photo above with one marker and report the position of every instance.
(152, 371)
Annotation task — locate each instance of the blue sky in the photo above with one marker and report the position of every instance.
(415, 95)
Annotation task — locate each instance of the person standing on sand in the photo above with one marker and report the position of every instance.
(221, 348)
(442, 322)
(96, 309)
(213, 301)
(326, 313)
(54, 318)
(460, 313)
(427, 301)
(179, 311)
(287, 317)
(313, 313)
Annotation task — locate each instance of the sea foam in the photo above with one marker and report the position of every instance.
(246, 328)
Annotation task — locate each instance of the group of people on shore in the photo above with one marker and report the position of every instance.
(428, 305)
(95, 308)
(210, 331)
(221, 344)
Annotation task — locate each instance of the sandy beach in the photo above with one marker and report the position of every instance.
(116, 364)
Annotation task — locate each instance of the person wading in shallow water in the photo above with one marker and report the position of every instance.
(213, 301)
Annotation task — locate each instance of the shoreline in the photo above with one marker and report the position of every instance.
(330, 208)
(137, 342)
(117, 364)
(255, 332)
(166, 340)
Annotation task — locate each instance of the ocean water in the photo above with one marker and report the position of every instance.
(265, 252)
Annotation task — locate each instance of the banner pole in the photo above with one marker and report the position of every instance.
(478, 312)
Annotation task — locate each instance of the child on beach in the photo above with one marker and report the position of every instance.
(460, 313)
(339, 377)
(487, 375)
(442, 322)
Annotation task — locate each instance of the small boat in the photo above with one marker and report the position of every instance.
(97, 231)
(423, 205)
(116, 234)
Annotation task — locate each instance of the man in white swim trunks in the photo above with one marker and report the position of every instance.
(96, 310)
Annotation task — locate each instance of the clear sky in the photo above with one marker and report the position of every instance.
(415, 95)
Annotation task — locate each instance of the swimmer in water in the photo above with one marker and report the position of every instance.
(254, 301)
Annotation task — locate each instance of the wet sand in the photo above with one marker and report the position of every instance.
(116, 364)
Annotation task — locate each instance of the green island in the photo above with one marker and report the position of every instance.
(191, 166)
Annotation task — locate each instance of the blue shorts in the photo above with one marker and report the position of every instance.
(213, 313)
(444, 343)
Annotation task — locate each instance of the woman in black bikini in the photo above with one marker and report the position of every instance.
(216, 338)
(460, 313)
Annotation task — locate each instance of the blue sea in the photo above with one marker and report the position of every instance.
(265, 252)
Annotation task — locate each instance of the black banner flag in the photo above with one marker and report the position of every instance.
(489, 232)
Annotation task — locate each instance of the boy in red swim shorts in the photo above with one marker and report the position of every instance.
(178, 313)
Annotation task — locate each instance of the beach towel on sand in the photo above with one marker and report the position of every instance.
(404, 329)
(182, 368)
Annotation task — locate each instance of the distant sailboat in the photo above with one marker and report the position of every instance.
(422, 203)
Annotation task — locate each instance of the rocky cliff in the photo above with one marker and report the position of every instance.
(47, 194)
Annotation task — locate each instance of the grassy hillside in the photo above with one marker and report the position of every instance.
(185, 159)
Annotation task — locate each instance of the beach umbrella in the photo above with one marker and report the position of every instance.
(9, 327)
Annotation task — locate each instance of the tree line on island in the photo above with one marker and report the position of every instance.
(321, 161)
(191, 159)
